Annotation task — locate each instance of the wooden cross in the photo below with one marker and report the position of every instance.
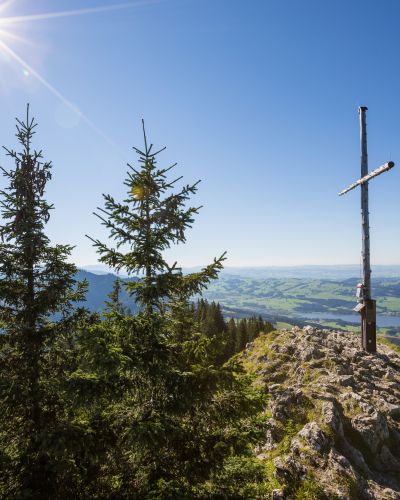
(367, 306)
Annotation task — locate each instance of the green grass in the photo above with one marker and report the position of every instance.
(385, 341)
(293, 295)
(337, 326)
(309, 489)
(281, 325)
(389, 303)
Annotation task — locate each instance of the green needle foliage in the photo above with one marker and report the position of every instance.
(146, 223)
(184, 411)
(36, 283)
(113, 304)
(145, 406)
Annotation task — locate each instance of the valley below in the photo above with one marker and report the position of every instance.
(295, 298)
(326, 302)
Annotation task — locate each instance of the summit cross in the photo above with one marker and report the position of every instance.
(366, 306)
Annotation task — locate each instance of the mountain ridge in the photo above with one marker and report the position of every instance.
(311, 271)
(334, 426)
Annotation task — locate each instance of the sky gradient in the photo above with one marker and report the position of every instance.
(257, 98)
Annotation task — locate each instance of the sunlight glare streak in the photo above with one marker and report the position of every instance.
(42, 80)
(56, 93)
(13, 36)
(78, 12)
(4, 5)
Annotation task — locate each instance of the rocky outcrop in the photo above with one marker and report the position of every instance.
(334, 414)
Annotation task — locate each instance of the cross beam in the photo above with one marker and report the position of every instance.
(367, 306)
(380, 170)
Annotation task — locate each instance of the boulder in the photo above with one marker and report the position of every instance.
(332, 418)
(373, 430)
(314, 437)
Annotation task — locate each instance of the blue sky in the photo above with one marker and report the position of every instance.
(257, 98)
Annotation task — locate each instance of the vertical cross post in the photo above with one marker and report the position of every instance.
(368, 317)
(364, 205)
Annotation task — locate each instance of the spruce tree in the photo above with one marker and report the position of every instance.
(36, 283)
(232, 338)
(182, 409)
(114, 304)
(242, 337)
(175, 412)
(147, 222)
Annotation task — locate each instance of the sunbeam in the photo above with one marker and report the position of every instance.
(69, 13)
(13, 36)
(5, 4)
(8, 50)
(7, 36)
(40, 78)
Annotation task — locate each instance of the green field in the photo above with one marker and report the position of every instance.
(297, 297)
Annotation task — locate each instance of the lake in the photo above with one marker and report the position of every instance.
(382, 321)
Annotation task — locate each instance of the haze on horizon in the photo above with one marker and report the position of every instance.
(259, 100)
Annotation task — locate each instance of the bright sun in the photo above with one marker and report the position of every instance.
(10, 27)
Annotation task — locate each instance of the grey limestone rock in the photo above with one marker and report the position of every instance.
(288, 469)
(315, 438)
(346, 380)
(386, 462)
(250, 346)
(332, 417)
(310, 352)
(389, 494)
(278, 495)
(343, 406)
(373, 430)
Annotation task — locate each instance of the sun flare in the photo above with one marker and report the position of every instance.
(12, 29)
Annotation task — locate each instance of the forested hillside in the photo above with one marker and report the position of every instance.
(127, 402)
(99, 287)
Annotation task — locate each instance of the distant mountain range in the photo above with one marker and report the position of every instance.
(100, 285)
(313, 272)
(334, 272)
(248, 291)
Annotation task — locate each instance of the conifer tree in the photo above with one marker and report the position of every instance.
(242, 338)
(182, 409)
(232, 337)
(212, 319)
(148, 221)
(114, 304)
(36, 283)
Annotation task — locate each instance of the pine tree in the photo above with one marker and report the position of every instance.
(36, 284)
(232, 338)
(252, 329)
(214, 322)
(201, 310)
(114, 304)
(162, 339)
(148, 222)
(181, 415)
(242, 337)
